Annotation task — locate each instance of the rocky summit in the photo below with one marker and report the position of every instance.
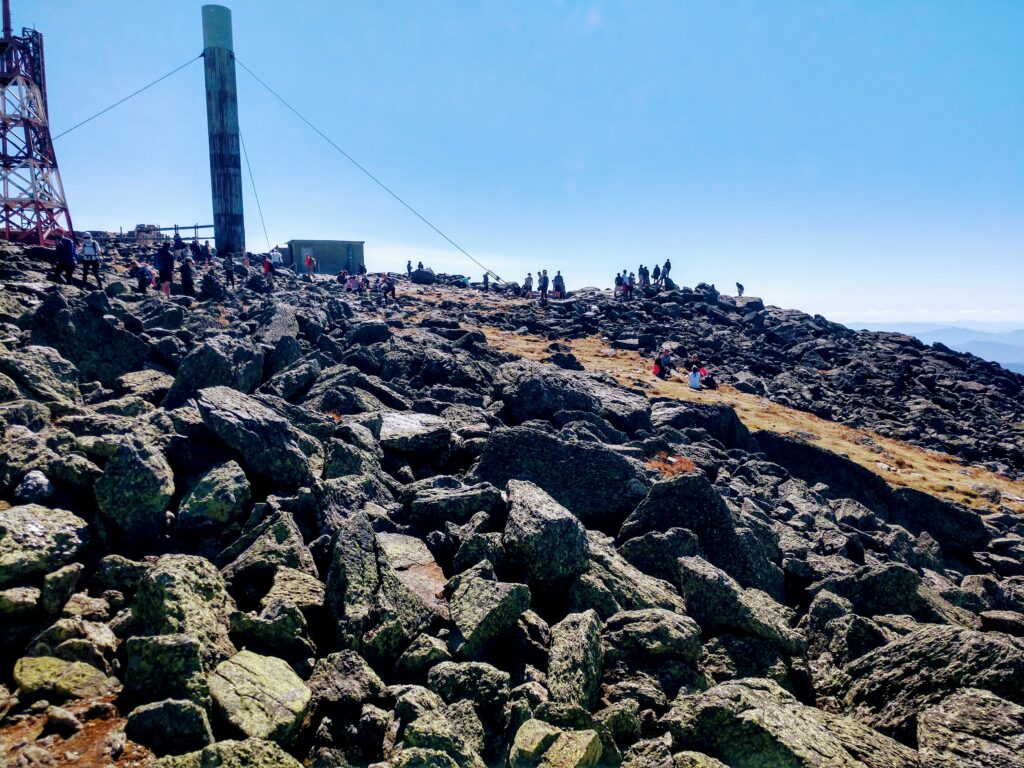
(302, 527)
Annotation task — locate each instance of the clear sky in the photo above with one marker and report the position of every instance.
(859, 158)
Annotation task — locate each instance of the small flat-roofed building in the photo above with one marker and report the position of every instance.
(331, 256)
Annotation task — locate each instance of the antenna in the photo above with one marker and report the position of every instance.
(8, 32)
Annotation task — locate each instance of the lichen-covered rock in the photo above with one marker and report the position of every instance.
(44, 677)
(35, 540)
(341, 683)
(260, 696)
(544, 541)
(752, 719)
(134, 491)
(184, 594)
(576, 660)
(483, 609)
(650, 637)
(250, 753)
(169, 727)
(217, 500)
(573, 749)
(414, 433)
(41, 373)
(532, 739)
(220, 361)
(889, 687)
(611, 585)
(164, 667)
(972, 729)
(719, 604)
(595, 483)
(266, 444)
(483, 684)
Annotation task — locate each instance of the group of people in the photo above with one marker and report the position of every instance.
(382, 287)
(698, 376)
(556, 285)
(69, 253)
(627, 282)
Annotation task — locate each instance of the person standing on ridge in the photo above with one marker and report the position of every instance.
(65, 260)
(487, 281)
(630, 286)
(542, 284)
(276, 259)
(229, 270)
(665, 270)
(408, 268)
(656, 275)
(178, 248)
(195, 251)
(90, 253)
(559, 285)
(164, 263)
(528, 285)
(206, 253)
(619, 285)
(739, 290)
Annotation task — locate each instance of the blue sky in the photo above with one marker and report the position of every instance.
(860, 159)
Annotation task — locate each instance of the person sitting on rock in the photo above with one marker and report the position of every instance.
(143, 276)
(695, 377)
(419, 265)
(665, 363)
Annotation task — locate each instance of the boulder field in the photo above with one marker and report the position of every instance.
(298, 528)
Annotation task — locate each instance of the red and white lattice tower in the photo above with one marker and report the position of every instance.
(32, 196)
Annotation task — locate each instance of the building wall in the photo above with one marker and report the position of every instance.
(332, 255)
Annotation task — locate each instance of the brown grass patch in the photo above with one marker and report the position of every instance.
(668, 465)
(906, 465)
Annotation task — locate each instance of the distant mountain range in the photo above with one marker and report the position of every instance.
(1005, 347)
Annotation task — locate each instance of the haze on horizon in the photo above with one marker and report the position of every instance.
(860, 160)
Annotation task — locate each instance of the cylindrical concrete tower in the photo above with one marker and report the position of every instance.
(222, 122)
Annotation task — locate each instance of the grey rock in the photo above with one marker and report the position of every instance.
(576, 660)
(544, 541)
(169, 727)
(35, 540)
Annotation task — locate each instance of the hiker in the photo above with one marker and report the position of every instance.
(694, 378)
(388, 286)
(229, 271)
(559, 285)
(620, 285)
(178, 248)
(276, 259)
(487, 281)
(195, 251)
(663, 364)
(528, 285)
(206, 252)
(164, 263)
(419, 265)
(90, 253)
(630, 286)
(739, 290)
(143, 274)
(665, 270)
(656, 275)
(187, 270)
(309, 265)
(408, 268)
(268, 271)
(542, 284)
(65, 260)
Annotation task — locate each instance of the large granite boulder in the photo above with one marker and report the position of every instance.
(266, 444)
(260, 696)
(185, 594)
(597, 484)
(135, 490)
(972, 729)
(544, 541)
(888, 688)
(576, 660)
(755, 722)
(35, 540)
(220, 361)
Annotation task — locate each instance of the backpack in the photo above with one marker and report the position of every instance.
(90, 251)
